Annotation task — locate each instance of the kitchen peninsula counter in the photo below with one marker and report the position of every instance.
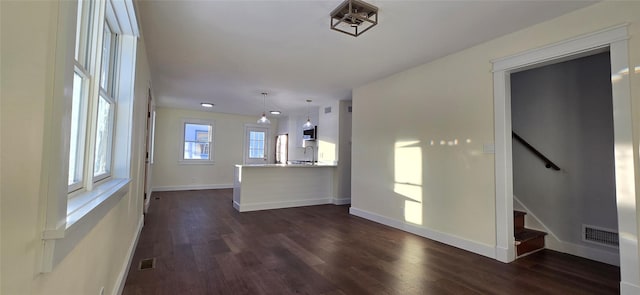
(272, 186)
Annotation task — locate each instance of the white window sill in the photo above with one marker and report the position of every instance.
(84, 211)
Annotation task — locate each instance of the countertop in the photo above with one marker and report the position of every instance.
(315, 165)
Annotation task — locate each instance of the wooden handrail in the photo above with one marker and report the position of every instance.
(548, 163)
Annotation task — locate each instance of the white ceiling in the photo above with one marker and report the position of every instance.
(228, 52)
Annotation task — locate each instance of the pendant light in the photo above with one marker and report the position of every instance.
(308, 124)
(264, 120)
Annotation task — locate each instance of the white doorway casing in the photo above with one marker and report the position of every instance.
(616, 39)
(248, 159)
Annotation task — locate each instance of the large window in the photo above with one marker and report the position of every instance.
(92, 110)
(197, 141)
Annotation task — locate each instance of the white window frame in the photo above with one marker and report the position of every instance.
(264, 144)
(69, 217)
(107, 94)
(80, 154)
(268, 142)
(181, 159)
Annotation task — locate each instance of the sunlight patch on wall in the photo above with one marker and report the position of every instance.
(625, 176)
(619, 75)
(326, 151)
(408, 178)
(408, 162)
(413, 212)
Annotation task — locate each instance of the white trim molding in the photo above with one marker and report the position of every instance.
(616, 39)
(194, 187)
(124, 272)
(279, 205)
(341, 201)
(558, 51)
(452, 240)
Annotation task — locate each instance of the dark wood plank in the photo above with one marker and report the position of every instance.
(203, 246)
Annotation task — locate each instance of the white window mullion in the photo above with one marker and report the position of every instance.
(94, 85)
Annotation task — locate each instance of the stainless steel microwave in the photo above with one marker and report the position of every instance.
(310, 134)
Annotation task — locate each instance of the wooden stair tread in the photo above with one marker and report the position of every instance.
(526, 240)
(518, 213)
(528, 234)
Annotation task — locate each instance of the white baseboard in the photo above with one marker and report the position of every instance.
(629, 289)
(148, 201)
(236, 205)
(341, 201)
(504, 255)
(278, 205)
(191, 187)
(455, 241)
(124, 272)
(603, 256)
(146, 204)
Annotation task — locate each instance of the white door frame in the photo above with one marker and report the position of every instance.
(267, 143)
(616, 38)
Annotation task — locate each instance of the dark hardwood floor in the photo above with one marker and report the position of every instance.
(203, 246)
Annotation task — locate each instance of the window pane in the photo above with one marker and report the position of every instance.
(102, 157)
(106, 58)
(256, 144)
(83, 32)
(79, 29)
(76, 145)
(197, 141)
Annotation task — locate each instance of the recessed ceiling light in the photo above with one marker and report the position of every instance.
(206, 104)
(275, 112)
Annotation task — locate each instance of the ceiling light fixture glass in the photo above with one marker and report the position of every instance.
(354, 17)
(275, 112)
(206, 104)
(308, 124)
(264, 120)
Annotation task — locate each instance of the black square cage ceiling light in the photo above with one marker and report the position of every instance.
(354, 17)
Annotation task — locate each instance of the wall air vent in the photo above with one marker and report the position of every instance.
(327, 110)
(600, 236)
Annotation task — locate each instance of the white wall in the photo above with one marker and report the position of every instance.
(328, 133)
(343, 172)
(402, 174)
(565, 111)
(228, 145)
(28, 43)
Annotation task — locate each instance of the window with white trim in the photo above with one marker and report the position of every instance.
(197, 141)
(92, 112)
(96, 50)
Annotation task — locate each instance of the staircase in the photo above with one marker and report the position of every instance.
(527, 240)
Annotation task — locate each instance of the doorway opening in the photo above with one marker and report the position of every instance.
(256, 145)
(616, 40)
(563, 158)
